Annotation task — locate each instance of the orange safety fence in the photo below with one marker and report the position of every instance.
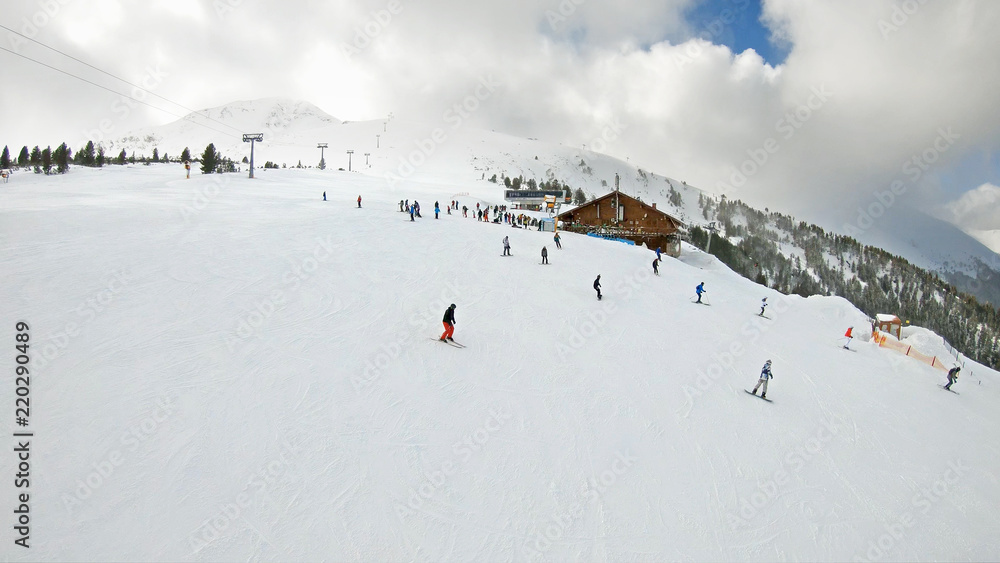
(888, 341)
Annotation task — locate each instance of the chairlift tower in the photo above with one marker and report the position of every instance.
(349, 153)
(250, 138)
(321, 147)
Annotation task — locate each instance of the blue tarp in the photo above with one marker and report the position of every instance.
(626, 241)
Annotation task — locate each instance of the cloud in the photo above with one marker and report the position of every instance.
(977, 209)
(896, 73)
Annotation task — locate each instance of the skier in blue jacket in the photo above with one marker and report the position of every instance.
(765, 375)
(699, 290)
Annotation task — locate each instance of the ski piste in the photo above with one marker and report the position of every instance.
(758, 396)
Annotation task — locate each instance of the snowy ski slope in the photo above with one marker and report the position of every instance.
(230, 369)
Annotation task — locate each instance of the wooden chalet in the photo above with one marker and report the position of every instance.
(617, 215)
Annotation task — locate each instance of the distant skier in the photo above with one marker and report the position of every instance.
(437, 209)
(658, 258)
(416, 208)
(324, 196)
(412, 211)
(952, 377)
(763, 305)
(699, 290)
(558, 244)
(506, 246)
(849, 337)
(465, 211)
(656, 267)
(449, 324)
(401, 206)
(765, 375)
(359, 202)
(187, 168)
(597, 286)
(545, 255)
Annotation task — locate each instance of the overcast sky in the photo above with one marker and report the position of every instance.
(818, 103)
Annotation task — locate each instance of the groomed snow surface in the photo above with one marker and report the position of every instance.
(228, 369)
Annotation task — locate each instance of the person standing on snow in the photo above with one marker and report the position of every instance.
(658, 254)
(763, 305)
(699, 290)
(359, 202)
(597, 286)
(765, 375)
(412, 211)
(449, 324)
(849, 337)
(558, 244)
(506, 246)
(952, 377)
(545, 255)
(656, 269)
(324, 196)
(437, 209)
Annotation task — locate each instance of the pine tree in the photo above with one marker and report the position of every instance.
(122, 157)
(209, 159)
(185, 155)
(579, 197)
(156, 155)
(5, 158)
(22, 157)
(100, 159)
(88, 154)
(47, 160)
(322, 163)
(36, 159)
(61, 158)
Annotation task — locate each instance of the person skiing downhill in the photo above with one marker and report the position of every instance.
(849, 337)
(656, 267)
(658, 254)
(765, 375)
(597, 286)
(952, 377)
(449, 324)
(699, 290)
(763, 305)
(558, 244)
(506, 246)
(545, 255)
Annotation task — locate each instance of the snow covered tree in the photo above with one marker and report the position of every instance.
(579, 197)
(22, 157)
(209, 159)
(322, 163)
(5, 158)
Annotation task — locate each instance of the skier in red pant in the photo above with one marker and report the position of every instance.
(449, 324)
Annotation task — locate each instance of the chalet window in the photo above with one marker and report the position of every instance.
(598, 207)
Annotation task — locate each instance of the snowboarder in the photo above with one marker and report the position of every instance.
(437, 209)
(952, 377)
(558, 244)
(359, 202)
(699, 290)
(765, 375)
(506, 246)
(656, 269)
(449, 324)
(763, 305)
(324, 196)
(545, 255)
(597, 286)
(849, 337)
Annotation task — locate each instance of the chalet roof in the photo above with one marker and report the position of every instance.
(622, 196)
(885, 318)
